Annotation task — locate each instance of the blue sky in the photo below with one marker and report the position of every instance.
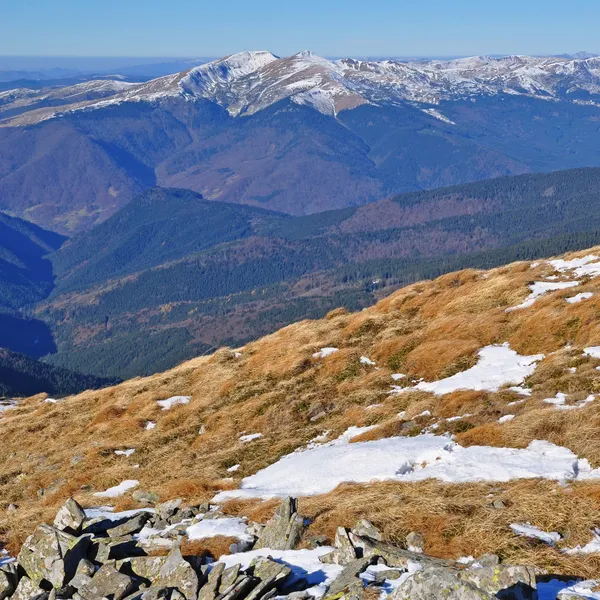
(328, 27)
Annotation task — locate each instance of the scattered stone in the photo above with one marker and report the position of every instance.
(177, 573)
(270, 574)
(145, 497)
(434, 583)
(12, 507)
(210, 589)
(131, 526)
(52, 555)
(348, 583)
(508, 582)
(70, 517)
(8, 584)
(284, 530)
(26, 590)
(344, 549)
(415, 542)
(167, 509)
(107, 583)
(364, 528)
(499, 504)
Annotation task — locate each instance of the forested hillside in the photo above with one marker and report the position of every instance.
(172, 275)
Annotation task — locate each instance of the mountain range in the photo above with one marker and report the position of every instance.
(172, 275)
(248, 128)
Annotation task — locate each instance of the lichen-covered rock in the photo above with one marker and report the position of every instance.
(52, 555)
(133, 525)
(270, 574)
(415, 542)
(177, 573)
(70, 517)
(348, 584)
(284, 530)
(344, 552)
(8, 583)
(107, 583)
(364, 528)
(509, 582)
(434, 583)
(26, 590)
(210, 590)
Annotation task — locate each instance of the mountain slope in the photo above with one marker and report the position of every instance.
(248, 128)
(172, 275)
(471, 399)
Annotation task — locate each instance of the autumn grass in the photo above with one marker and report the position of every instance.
(276, 387)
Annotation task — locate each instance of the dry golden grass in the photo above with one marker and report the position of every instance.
(276, 387)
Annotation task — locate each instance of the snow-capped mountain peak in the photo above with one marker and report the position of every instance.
(247, 82)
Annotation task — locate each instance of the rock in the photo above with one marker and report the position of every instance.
(142, 567)
(364, 528)
(488, 560)
(85, 571)
(381, 576)
(12, 507)
(8, 584)
(210, 589)
(498, 504)
(229, 577)
(70, 517)
(344, 549)
(415, 542)
(178, 573)
(26, 589)
(131, 526)
(434, 583)
(151, 593)
(107, 583)
(348, 583)
(508, 582)
(106, 549)
(52, 555)
(145, 497)
(239, 589)
(240, 546)
(316, 541)
(284, 530)
(398, 557)
(167, 509)
(270, 573)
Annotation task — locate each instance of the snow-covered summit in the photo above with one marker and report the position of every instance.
(247, 82)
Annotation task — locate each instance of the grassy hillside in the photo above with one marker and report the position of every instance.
(284, 387)
(172, 275)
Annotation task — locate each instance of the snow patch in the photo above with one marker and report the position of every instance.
(579, 297)
(539, 288)
(497, 366)
(118, 490)
(528, 530)
(173, 401)
(227, 526)
(325, 352)
(249, 437)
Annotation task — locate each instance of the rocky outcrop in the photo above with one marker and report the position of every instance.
(85, 559)
(284, 530)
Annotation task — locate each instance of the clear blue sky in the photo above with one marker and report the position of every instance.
(328, 27)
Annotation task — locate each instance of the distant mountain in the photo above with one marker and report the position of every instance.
(24, 376)
(172, 275)
(299, 135)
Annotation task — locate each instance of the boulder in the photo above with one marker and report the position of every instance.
(508, 582)
(364, 528)
(107, 583)
(142, 567)
(344, 548)
(229, 577)
(210, 590)
(270, 574)
(415, 542)
(70, 517)
(133, 525)
(168, 509)
(85, 571)
(177, 573)
(144, 497)
(8, 584)
(434, 583)
(348, 584)
(284, 530)
(239, 589)
(52, 555)
(26, 590)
